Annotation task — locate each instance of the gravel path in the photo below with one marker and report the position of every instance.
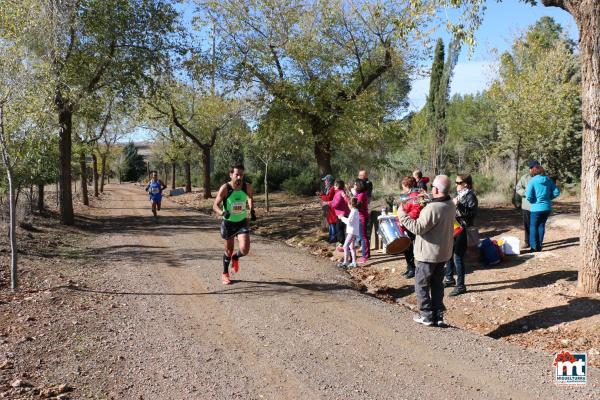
(290, 327)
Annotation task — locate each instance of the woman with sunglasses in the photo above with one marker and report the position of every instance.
(466, 210)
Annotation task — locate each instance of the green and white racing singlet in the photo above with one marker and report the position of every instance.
(235, 203)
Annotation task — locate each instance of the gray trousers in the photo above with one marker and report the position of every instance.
(429, 288)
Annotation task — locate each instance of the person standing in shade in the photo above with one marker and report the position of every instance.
(525, 205)
(339, 205)
(540, 192)
(363, 175)
(327, 196)
(433, 247)
(466, 210)
(363, 215)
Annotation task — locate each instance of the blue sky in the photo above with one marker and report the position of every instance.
(502, 23)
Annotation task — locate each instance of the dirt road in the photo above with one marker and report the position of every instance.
(290, 327)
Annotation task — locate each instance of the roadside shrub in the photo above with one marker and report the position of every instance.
(305, 184)
(484, 184)
(277, 175)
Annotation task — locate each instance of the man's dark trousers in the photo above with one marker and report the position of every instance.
(429, 288)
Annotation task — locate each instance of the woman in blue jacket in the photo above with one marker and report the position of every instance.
(539, 192)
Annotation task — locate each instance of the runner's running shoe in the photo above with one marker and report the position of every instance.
(235, 263)
(225, 279)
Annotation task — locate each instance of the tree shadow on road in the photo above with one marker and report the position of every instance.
(140, 254)
(161, 226)
(562, 243)
(238, 287)
(533, 281)
(576, 309)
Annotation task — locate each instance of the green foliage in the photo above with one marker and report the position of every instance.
(278, 173)
(305, 184)
(437, 70)
(538, 101)
(483, 183)
(133, 164)
(340, 68)
(472, 133)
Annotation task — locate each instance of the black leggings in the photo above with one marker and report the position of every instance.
(340, 227)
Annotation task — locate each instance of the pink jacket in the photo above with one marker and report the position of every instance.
(340, 204)
(363, 211)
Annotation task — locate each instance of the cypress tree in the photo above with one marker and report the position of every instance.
(437, 101)
(134, 165)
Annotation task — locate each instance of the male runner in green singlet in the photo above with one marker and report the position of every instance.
(232, 203)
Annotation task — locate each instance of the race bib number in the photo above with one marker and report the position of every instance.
(238, 207)
(155, 190)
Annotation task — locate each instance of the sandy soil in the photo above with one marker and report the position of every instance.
(133, 308)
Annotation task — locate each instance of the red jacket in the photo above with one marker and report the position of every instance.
(413, 209)
(331, 217)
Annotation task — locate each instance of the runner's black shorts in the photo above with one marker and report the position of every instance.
(232, 229)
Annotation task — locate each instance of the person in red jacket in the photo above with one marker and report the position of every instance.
(412, 209)
(326, 197)
(340, 207)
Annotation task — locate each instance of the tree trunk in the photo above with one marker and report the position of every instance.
(588, 22)
(12, 228)
(187, 166)
(65, 119)
(517, 158)
(103, 174)
(206, 167)
(174, 169)
(40, 203)
(267, 186)
(322, 151)
(31, 198)
(95, 173)
(84, 188)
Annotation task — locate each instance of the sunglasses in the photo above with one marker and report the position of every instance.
(459, 183)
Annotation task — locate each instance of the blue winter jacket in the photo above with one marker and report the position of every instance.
(540, 191)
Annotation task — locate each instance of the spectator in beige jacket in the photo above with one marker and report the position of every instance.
(433, 248)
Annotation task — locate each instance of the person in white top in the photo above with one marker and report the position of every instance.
(352, 227)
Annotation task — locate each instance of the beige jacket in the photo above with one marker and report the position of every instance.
(434, 229)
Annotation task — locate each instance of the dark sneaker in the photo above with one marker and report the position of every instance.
(458, 291)
(342, 265)
(422, 320)
(439, 321)
(449, 283)
(409, 274)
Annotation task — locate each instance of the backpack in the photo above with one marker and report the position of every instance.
(489, 252)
